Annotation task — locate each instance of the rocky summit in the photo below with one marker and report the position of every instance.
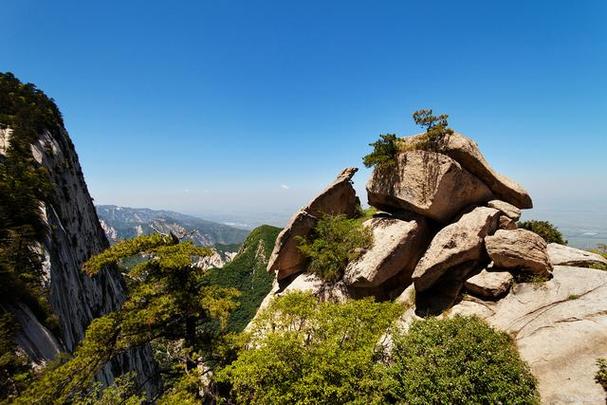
(445, 241)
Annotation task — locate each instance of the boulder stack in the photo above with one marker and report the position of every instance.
(447, 224)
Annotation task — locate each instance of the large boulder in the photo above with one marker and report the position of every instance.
(560, 330)
(467, 153)
(490, 284)
(397, 246)
(428, 183)
(455, 244)
(518, 249)
(507, 209)
(569, 256)
(338, 198)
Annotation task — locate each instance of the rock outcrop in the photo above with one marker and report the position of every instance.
(428, 183)
(454, 245)
(338, 198)
(560, 329)
(397, 246)
(490, 284)
(519, 249)
(561, 255)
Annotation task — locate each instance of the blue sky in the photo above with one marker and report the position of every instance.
(248, 106)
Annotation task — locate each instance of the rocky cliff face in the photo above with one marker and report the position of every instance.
(74, 235)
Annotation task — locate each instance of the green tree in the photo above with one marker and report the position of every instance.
(168, 300)
(336, 241)
(437, 128)
(458, 361)
(601, 374)
(299, 351)
(545, 229)
(384, 152)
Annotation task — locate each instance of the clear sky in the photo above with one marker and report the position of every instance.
(249, 106)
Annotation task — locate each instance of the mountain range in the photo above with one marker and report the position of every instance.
(124, 222)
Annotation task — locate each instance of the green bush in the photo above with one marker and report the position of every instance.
(300, 351)
(601, 374)
(545, 229)
(384, 152)
(437, 129)
(336, 241)
(458, 361)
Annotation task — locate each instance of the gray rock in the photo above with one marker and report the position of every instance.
(490, 284)
(569, 256)
(428, 183)
(560, 328)
(455, 244)
(397, 246)
(338, 198)
(518, 249)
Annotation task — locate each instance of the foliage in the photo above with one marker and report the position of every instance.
(14, 368)
(437, 128)
(247, 273)
(459, 361)
(168, 299)
(545, 229)
(301, 351)
(601, 374)
(335, 242)
(601, 249)
(384, 152)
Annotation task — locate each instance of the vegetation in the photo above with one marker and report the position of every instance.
(170, 303)
(545, 229)
(247, 273)
(459, 361)
(336, 241)
(387, 147)
(303, 352)
(601, 374)
(601, 249)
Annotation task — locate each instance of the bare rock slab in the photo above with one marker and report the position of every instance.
(518, 249)
(397, 246)
(560, 328)
(338, 198)
(507, 209)
(428, 183)
(569, 256)
(490, 284)
(455, 244)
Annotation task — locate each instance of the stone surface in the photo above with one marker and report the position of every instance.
(455, 244)
(397, 246)
(428, 183)
(338, 198)
(75, 236)
(506, 222)
(489, 284)
(509, 210)
(560, 328)
(518, 249)
(569, 256)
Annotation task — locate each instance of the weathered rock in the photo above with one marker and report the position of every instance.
(428, 183)
(455, 244)
(509, 210)
(560, 328)
(325, 291)
(490, 284)
(518, 249)
(506, 223)
(569, 256)
(338, 198)
(397, 246)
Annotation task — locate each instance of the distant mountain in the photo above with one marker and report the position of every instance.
(123, 222)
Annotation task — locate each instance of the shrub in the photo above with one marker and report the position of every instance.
(545, 229)
(336, 241)
(384, 152)
(601, 374)
(437, 128)
(459, 360)
(303, 352)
